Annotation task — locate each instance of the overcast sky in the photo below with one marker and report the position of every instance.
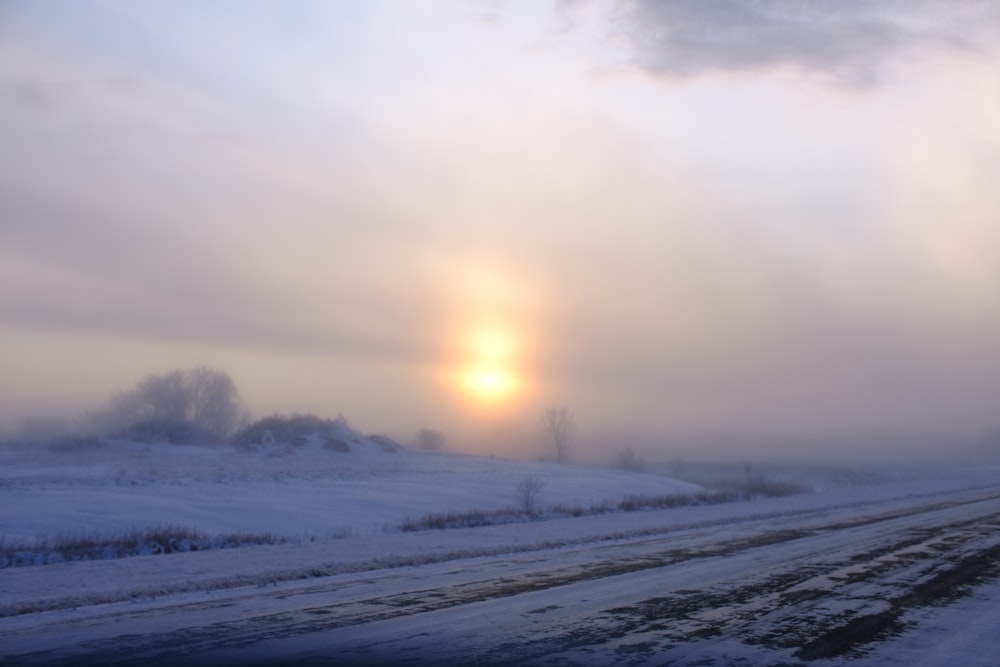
(757, 220)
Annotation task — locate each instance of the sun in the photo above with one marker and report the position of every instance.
(489, 383)
(488, 372)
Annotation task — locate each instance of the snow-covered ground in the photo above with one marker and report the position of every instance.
(304, 493)
(751, 582)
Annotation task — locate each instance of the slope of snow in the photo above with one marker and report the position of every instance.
(341, 511)
(303, 493)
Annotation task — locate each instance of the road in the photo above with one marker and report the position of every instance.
(822, 587)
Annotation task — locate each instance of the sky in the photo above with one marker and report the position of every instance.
(690, 222)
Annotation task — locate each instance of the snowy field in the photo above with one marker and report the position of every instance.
(886, 565)
(298, 493)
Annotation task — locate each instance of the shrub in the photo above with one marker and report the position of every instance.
(294, 431)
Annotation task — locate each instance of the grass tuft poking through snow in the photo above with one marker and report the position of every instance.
(94, 545)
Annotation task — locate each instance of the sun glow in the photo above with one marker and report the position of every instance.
(489, 383)
(489, 346)
(488, 369)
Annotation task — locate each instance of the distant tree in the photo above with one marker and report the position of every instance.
(558, 425)
(202, 397)
(627, 460)
(430, 440)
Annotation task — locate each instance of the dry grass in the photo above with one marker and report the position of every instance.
(94, 545)
(631, 503)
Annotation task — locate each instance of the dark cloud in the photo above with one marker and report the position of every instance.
(844, 39)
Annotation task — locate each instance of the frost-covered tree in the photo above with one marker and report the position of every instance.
(203, 397)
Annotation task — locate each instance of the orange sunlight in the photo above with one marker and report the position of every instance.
(488, 373)
(489, 346)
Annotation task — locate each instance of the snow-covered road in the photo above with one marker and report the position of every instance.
(819, 585)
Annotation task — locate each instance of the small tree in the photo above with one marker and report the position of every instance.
(528, 490)
(558, 425)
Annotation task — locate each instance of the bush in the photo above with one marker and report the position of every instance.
(295, 431)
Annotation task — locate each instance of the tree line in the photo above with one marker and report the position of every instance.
(203, 405)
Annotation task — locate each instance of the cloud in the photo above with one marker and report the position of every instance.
(847, 40)
(97, 273)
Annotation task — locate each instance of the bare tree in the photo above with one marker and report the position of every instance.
(528, 490)
(558, 425)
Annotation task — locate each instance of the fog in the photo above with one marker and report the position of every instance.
(717, 229)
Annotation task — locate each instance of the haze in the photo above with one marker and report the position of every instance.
(691, 222)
